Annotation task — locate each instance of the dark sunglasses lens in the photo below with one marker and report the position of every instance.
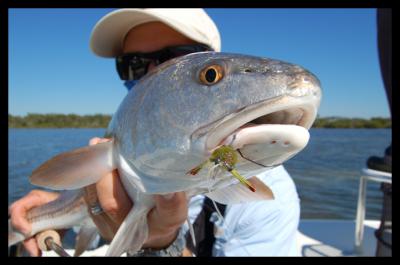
(135, 66)
(121, 68)
(131, 67)
(138, 68)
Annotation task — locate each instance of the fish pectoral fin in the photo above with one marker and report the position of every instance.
(131, 234)
(86, 235)
(238, 193)
(75, 169)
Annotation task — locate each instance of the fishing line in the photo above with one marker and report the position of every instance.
(191, 231)
(212, 171)
(240, 153)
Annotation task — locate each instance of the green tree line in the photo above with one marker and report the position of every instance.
(338, 122)
(33, 120)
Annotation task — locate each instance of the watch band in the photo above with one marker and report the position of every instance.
(173, 250)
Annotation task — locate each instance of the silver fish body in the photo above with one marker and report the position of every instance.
(163, 126)
(172, 120)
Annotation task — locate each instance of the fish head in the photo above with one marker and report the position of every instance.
(184, 109)
(267, 107)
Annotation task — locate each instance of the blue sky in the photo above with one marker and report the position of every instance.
(52, 70)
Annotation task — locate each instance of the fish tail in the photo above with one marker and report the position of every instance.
(132, 233)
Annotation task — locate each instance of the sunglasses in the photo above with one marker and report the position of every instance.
(133, 66)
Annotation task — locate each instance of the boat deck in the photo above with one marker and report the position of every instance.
(328, 238)
(323, 238)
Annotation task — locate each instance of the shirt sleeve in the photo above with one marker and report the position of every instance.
(263, 228)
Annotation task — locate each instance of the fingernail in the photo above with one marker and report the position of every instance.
(168, 196)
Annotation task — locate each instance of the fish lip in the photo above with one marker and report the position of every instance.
(215, 132)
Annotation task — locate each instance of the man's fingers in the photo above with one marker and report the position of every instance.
(113, 198)
(97, 140)
(18, 219)
(19, 209)
(32, 247)
(105, 225)
(110, 193)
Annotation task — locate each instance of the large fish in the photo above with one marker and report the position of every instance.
(177, 116)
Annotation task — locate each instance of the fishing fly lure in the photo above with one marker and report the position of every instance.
(226, 157)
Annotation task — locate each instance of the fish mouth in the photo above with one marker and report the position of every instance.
(279, 111)
(270, 131)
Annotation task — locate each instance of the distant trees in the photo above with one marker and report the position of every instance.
(59, 121)
(33, 120)
(338, 122)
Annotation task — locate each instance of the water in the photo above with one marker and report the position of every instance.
(326, 172)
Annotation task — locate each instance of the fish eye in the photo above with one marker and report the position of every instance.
(211, 74)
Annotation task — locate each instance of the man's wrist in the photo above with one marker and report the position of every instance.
(171, 246)
(163, 241)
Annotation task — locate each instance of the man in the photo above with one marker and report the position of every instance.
(139, 39)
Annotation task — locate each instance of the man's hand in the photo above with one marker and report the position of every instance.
(20, 208)
(164, 220)
(113, 199)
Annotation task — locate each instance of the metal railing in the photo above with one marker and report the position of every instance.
(367, 174)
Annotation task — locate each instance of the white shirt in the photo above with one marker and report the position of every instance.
(262, 228)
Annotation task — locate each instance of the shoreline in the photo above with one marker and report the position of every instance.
(33, 120)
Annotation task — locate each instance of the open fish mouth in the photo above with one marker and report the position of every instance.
(268, 132)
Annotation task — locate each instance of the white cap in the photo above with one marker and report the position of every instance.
(110, 31)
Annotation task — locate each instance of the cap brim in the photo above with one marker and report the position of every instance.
(108, 34)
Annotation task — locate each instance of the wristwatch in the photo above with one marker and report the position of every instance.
(173, 250)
